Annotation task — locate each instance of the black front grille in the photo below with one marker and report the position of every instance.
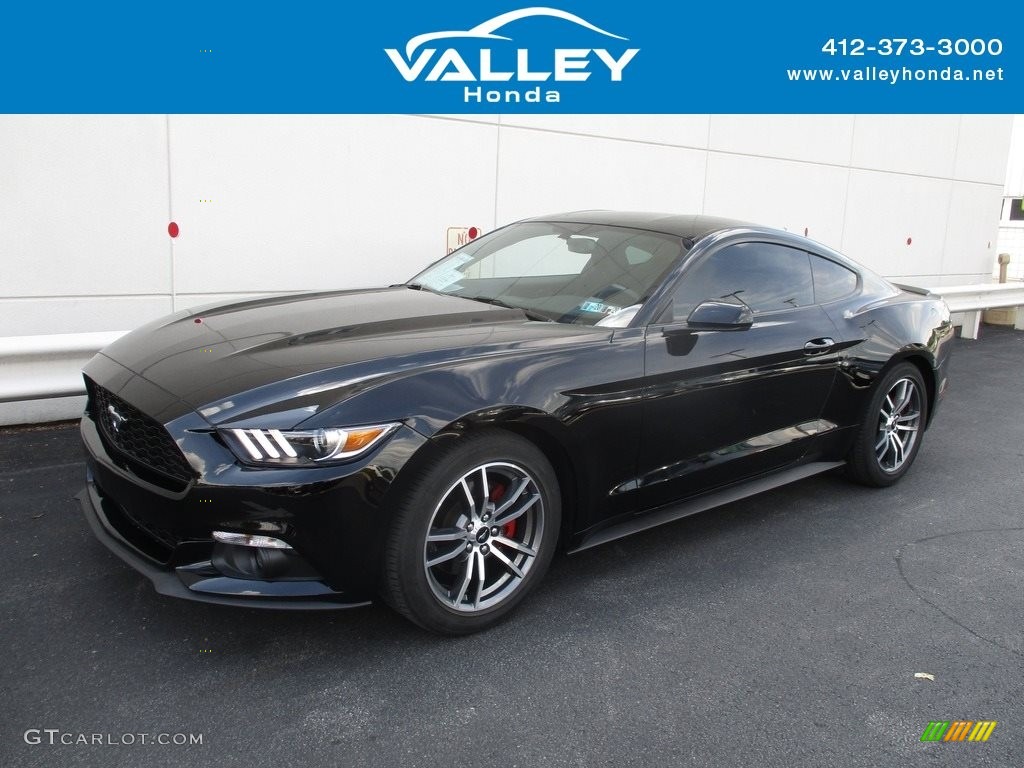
(142, 441)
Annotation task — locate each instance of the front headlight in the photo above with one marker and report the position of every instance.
(276, 448)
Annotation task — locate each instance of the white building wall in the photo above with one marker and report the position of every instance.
(1011, 232)
(282, 203)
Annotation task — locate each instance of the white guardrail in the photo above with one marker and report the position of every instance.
(972, 300)
(38, 367)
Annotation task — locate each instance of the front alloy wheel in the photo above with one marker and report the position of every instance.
(472, 531)
(484, 537)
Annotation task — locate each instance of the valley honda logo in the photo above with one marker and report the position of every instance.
(532, 71)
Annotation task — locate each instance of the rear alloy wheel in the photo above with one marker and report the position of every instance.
(458, 560)
(891, 432)
(899, 423)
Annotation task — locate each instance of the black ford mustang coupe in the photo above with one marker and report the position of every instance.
(559, 382)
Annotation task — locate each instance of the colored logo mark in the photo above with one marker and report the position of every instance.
(958, 730)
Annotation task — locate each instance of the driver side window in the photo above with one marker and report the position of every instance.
(764, 276)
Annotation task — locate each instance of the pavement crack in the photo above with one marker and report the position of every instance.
(936, 606)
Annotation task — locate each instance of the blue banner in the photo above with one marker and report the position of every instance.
(508, 56)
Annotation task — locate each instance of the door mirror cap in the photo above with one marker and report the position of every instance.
(720, 316)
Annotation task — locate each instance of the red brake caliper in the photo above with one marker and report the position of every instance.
(508, 530)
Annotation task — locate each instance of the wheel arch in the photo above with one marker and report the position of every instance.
(920, 359)
(544, 432)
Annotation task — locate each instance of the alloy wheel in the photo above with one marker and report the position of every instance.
(899, 422)
(484, 537)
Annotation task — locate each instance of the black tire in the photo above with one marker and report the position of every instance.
(430, 503)
(864, 464)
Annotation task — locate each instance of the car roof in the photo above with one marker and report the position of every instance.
(694, 227)
(690, 226)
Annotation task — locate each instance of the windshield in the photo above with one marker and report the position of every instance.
(570, 273)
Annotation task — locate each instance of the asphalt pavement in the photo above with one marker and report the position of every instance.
(783, 630)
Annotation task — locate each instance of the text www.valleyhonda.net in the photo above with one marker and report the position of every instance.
(895, 75)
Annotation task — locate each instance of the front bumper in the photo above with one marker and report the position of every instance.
(332, 517)
(200, 580)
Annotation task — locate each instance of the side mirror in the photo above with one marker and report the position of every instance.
(720, 316)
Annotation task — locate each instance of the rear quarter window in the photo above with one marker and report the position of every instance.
(831, 281)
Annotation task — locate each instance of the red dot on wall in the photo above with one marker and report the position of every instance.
(909, 241)
(172, 229)
(198, 320)
(473, 233)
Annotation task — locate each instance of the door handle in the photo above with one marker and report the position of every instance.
(817, 346)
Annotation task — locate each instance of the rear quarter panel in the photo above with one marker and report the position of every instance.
(877, 334)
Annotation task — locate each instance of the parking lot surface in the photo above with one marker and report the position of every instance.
(783, 630)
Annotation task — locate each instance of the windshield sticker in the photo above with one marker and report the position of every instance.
(448, 273)
(443, 279)
(592, 305)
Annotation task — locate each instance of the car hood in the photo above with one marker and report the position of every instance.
(231, 362)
